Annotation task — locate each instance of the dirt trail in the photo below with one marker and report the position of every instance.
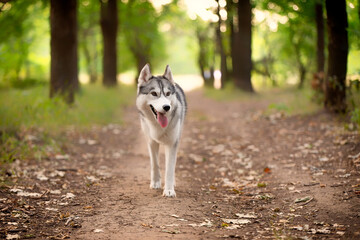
(240, 174)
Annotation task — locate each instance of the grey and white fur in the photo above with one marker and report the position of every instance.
(162, 108)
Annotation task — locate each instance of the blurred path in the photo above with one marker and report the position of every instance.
(239, 174)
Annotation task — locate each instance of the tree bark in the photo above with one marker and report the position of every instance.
(201, 54)
(109, 26)
(64, 58)
(320, 37)
(335, 91)
(242, 66)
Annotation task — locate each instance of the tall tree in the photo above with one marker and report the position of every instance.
(109, 27)
(335, 91)
(319, 18)
(89, 36)
(64, 58)
(206, 54)
(242, 63)
(144, 40)
(220, 48)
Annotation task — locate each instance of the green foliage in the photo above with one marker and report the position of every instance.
(355, 116)
(354, 23)
(288, 40)
(21, 27)
(139, 25)
(89, 37)
(181, 43)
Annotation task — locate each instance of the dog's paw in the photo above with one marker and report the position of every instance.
(169, 193)
(155, 184)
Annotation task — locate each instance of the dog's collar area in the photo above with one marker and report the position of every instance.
(153, 110)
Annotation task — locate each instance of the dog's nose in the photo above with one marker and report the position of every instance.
(166, 108)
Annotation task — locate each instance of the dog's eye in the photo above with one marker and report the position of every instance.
(154, 94)
(167, 94)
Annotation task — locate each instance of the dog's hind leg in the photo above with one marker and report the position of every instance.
(170, 154)
(155, 181)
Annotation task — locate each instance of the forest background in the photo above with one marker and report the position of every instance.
(69, 50)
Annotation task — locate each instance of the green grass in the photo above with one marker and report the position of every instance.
(30, 112)
(32, 108)
(288, 100)
(228, 93)
(353, 99)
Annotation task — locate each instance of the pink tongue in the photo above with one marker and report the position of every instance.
(162, 120)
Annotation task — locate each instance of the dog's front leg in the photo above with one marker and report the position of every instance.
(155, 181)
(170, 154)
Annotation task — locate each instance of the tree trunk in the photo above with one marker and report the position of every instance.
(220, 48)
(64, 58)
(320, 37)
(302, 74)
(201, 54)
(109, 26)
(242, 66)
(335, 91)
(141, 58)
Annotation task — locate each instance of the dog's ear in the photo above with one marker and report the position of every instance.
(145, 74)
(168, 75)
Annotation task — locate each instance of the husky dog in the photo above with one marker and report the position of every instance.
(162, 107)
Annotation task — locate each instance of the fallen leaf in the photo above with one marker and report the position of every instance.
(68, 195)
(304, 200)
(57, 173)
(261, 185)
(52, 209)
(22, 193)
(299, 228)
(247, 215)
(236, 221)
(218, 148)
(62, 157)
(91, 142)
(323, 231)
(196, 158)
(323, 159)
(56, 192)
(40, 176)
(253, 148)
(266, 196)
(92, 179)
(171, 231)
(233, 226)
(146, 225)
(224, 225)
(12, 236)
(206, 223)
(267, 170)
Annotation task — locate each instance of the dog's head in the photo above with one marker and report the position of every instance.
(156, 95)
